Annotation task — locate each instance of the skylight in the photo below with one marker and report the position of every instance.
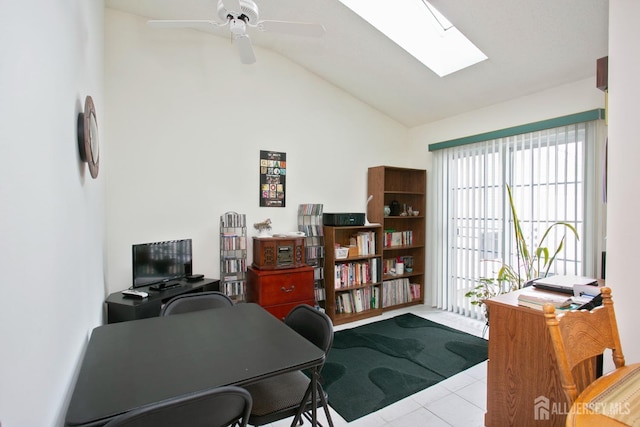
(417, 27)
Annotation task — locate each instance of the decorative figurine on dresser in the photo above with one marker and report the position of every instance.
(279, 279)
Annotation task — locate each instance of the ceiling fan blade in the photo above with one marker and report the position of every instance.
(245, 49)
(232, 6)
(294, 28)
(183, 23)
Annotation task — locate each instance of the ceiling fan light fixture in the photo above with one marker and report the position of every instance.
(239, 14)
(237, 27)
(248, 12)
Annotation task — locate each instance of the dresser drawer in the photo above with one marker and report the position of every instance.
(279, 287)
(275, 287)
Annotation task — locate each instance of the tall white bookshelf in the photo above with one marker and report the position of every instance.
(233, 256)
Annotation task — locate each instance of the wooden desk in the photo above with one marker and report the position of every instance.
(131, 364)
(523, 386)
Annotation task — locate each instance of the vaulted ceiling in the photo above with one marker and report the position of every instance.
(531, 45)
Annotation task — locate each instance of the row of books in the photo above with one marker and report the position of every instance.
(311, 230)
(365, 242)
(314, 252)
(320, 294)
(233, 288)
(356, 273)
(394, 238)
(358, 300)
(312, 209)
(318, 273)
(234, 265)
(233, 220)
(399, 291)
(232, 242)
(310, 219)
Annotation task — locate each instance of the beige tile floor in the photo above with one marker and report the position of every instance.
(457, 401)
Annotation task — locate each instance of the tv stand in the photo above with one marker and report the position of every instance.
(121, 309)
(165, 285)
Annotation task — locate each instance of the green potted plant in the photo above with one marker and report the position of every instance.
(531, 264)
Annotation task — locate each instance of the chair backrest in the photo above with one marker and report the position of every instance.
(195, 302)
(216, 407)
(580, 335)
(312, 324)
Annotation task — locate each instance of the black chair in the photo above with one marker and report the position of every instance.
(195, 302)
(218, 407)
(281, 396)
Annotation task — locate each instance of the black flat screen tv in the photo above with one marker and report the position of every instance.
(160, 262)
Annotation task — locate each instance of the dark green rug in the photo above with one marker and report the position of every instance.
(375, 365)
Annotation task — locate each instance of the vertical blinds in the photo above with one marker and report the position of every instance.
(552, 176)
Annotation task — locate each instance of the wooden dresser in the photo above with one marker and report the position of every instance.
(523, 385)
(278, 291)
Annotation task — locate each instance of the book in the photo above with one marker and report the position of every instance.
(538, 300)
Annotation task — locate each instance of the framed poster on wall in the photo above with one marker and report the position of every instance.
(273, 177)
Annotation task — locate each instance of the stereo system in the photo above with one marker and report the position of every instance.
(271, 253)
(343, 219)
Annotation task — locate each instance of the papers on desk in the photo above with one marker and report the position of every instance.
(538, 299)
(565, 283)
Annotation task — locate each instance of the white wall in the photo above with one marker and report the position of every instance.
(51, 211)
(186, 123)
(623, 234)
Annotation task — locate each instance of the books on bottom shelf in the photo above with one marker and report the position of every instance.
(357, 300)
(399, 291)
(537, 300)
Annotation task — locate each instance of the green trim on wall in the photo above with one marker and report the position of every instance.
(585, 116)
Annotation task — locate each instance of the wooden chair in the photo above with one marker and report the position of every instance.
(581, 335)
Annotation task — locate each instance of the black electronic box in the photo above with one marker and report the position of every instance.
(341, 219)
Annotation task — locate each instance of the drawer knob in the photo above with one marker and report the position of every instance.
(283, 289)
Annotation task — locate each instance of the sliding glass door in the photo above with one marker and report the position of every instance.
(553, 177)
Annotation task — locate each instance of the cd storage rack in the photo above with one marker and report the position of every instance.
(233, 256)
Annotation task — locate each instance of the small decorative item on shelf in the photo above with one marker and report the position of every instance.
(395, 208)
(342, 253)
(408, 263)
(387, 210)
(263, 228)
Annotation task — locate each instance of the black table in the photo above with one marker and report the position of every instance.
(131, 364)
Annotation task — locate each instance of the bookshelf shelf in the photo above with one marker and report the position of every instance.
(233, 256)
(403, 235)
(353, 284)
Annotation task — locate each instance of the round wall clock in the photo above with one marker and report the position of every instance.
(88, 142)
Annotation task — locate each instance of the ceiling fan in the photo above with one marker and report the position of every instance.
(238, 15)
